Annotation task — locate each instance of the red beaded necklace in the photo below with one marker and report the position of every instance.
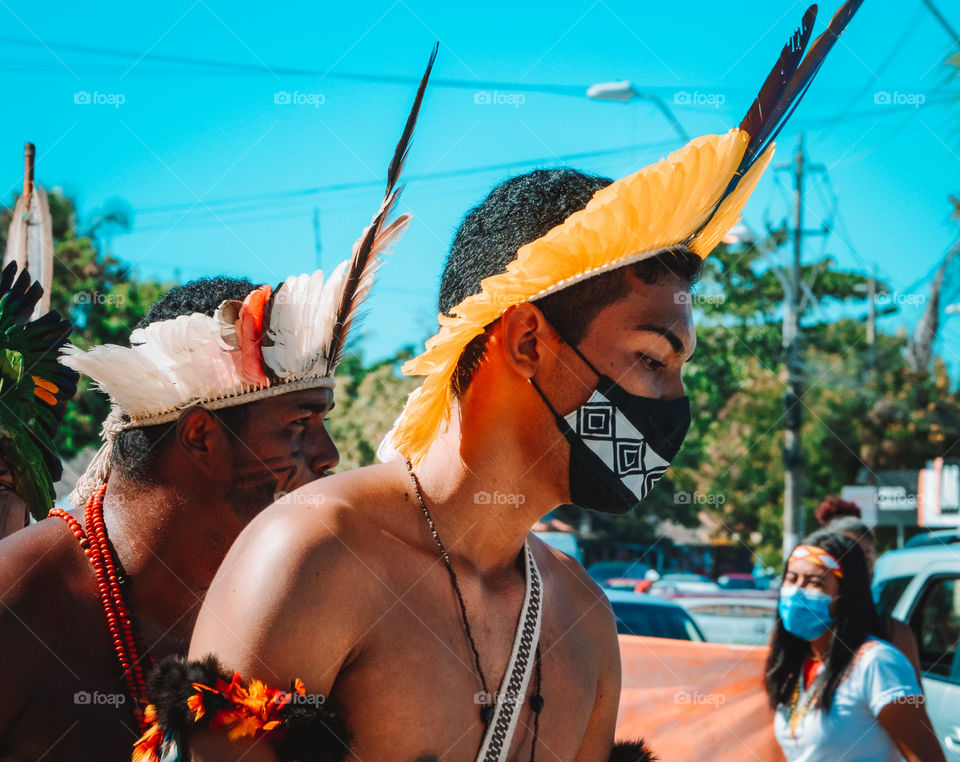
(119, 621)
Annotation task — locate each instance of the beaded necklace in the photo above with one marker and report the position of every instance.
(486, 710)
(120, 623)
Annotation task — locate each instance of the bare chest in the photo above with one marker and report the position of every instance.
(414, 691)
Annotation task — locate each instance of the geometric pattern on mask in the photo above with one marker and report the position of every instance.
(618, 443)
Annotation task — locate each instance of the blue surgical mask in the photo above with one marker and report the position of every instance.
(805, 613)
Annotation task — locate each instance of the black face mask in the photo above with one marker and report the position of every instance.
(620, 443)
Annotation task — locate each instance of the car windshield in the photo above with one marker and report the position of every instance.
(610, 569)
(737, 583)
(655, 621)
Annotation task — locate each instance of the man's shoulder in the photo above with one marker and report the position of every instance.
(316, 529)
(42, 585)
(36, 557)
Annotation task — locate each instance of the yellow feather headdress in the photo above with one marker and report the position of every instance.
(691, 198)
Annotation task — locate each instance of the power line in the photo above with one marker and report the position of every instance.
(943, 21)
(360, 184)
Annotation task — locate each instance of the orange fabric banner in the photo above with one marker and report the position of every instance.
(694, 701)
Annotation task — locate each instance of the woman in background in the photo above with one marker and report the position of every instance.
(843, 517)
(840, 690)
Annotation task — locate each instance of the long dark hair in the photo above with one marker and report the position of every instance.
(856, 619)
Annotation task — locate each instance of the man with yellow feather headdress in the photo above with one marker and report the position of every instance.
(411, 595)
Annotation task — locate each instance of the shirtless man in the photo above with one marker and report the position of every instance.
(177, 495)
(394, 591)
(219, 409)
(345, 589)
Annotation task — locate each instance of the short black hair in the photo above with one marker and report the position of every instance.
(521, 210)
(135, 450)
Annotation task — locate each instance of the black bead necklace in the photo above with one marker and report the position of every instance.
(486, 710)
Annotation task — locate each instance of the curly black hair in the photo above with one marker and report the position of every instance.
(521, 210)
(136, 450)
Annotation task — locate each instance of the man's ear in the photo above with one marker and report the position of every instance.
(527, 339)
(199, 435)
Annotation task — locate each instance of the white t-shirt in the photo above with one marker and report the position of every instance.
(849, 732)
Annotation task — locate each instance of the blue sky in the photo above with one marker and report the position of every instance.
(222, 178)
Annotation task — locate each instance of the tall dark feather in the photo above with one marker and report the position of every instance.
(785, 86)
(761, 116)
(365, 247)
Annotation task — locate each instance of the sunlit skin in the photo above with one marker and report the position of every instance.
(169, 537)
(13, 510)
(341, 584)
(907, 724)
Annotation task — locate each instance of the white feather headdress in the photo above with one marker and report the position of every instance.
(272, 342)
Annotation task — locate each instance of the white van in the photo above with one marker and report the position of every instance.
(929, 578)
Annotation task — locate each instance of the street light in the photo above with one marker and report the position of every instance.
(623, 91)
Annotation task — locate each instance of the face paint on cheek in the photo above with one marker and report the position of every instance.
(256, 483)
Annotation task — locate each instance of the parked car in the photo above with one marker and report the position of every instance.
(677, 583)
(737, 582)
(729, 618)
(565, 542)
(933, 537)
(930, 604)
(639, 614)
(627, 573)
(895, 570)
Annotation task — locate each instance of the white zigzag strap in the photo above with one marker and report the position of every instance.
(496, 741)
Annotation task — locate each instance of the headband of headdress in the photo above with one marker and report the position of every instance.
(817, 556)
(34, 389)
(273, 342)
(689, 199)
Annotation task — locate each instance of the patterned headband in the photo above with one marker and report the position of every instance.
(817, 556)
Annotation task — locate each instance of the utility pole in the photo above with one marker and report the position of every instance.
(793, 306)
(872, 319)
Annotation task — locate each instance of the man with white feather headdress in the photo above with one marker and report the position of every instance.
(218, 409)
